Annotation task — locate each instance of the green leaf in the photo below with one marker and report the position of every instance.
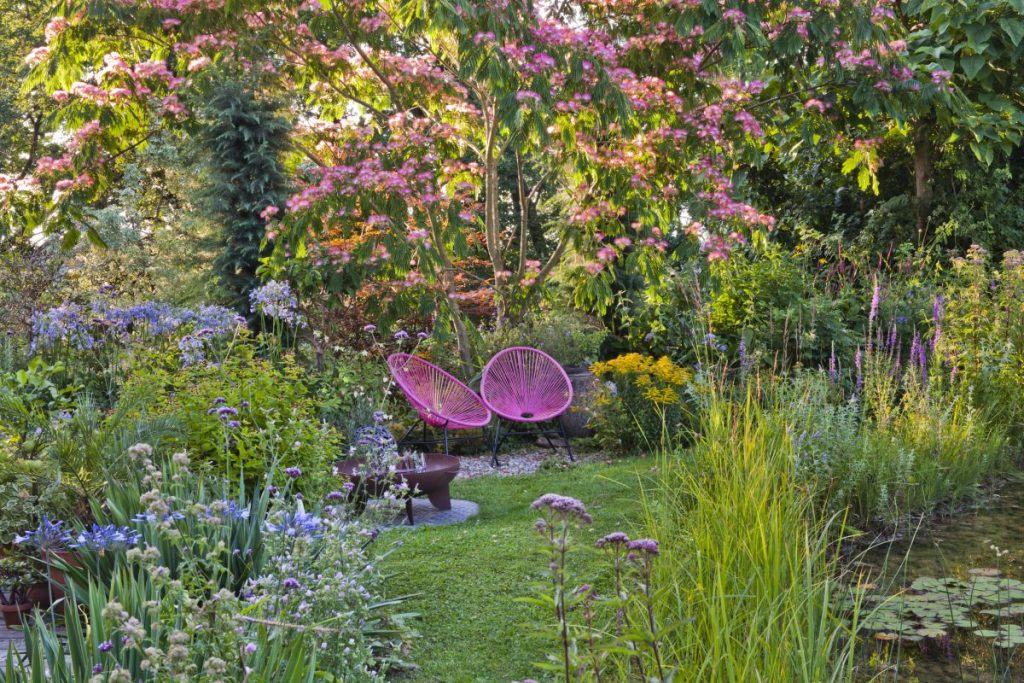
(972, 65)
(95, 238)
(850, 164)
(1014, 28)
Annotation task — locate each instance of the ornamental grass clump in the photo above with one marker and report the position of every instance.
(747, 587)
(643, 403)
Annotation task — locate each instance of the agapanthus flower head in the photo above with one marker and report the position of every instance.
(563, 505)
(107, 538)
(295, 524)
(65, 323)
(46, 536)
(275, 299)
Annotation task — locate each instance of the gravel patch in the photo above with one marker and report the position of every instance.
(523, 461)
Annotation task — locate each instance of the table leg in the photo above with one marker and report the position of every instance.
(408, 510)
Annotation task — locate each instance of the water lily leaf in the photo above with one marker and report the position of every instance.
(931, 632)
(884, 635)
(986, 633)
(984, 571)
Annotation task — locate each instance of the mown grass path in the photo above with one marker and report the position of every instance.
(469, 576)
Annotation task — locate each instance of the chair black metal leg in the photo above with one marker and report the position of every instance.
(497, 444)
(446, 438)
(565, 437)
(406, 435)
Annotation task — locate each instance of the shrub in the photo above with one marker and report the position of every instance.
(570, 337)
(642, 403)
(237, 413)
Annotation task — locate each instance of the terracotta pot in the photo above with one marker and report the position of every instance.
(56, 575)
(16, 615)
(39, 594)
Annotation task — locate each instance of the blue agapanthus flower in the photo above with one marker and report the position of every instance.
(295, 524)
(276, 300)
(107, 538)
(46, 536)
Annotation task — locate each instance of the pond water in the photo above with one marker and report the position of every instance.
(951, 596)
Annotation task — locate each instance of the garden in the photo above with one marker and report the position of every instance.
(513, 341)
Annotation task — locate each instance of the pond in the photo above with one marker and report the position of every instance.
(948, 598)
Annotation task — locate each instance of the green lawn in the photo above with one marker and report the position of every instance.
(470, 575)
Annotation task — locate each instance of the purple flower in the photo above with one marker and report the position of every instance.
(348, 486)
(422, 335)
(563, 505)
(219, 401)
(276, 300)
(193, 350)
(227, 411)
(401, 334)
(108, 537)
(876, 299)
(293, 472)
(250, 648)
(234, 424)
(614, 538)
(370, 328)
(644, 545)
(46, 536)
(858, 362)
(295, 524)
(335, 495)
(106, 646)
(97, 668)
(291, 583)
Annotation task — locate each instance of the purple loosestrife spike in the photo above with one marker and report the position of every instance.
(833, 366)
(858, 362)
(876, 300)
(892, 338)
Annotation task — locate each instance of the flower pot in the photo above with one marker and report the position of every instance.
(56, 575)
(39, 594)
(16, 615)
(584, 388)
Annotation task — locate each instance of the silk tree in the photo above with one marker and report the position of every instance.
(620, 117)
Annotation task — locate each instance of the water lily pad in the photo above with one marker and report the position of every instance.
(931, 632)
(984, 571)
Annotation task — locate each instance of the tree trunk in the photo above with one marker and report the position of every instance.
(924, 165)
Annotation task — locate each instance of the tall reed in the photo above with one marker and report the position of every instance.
(748, 586)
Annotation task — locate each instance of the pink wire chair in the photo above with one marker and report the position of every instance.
(442, 401)
(523, 384)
